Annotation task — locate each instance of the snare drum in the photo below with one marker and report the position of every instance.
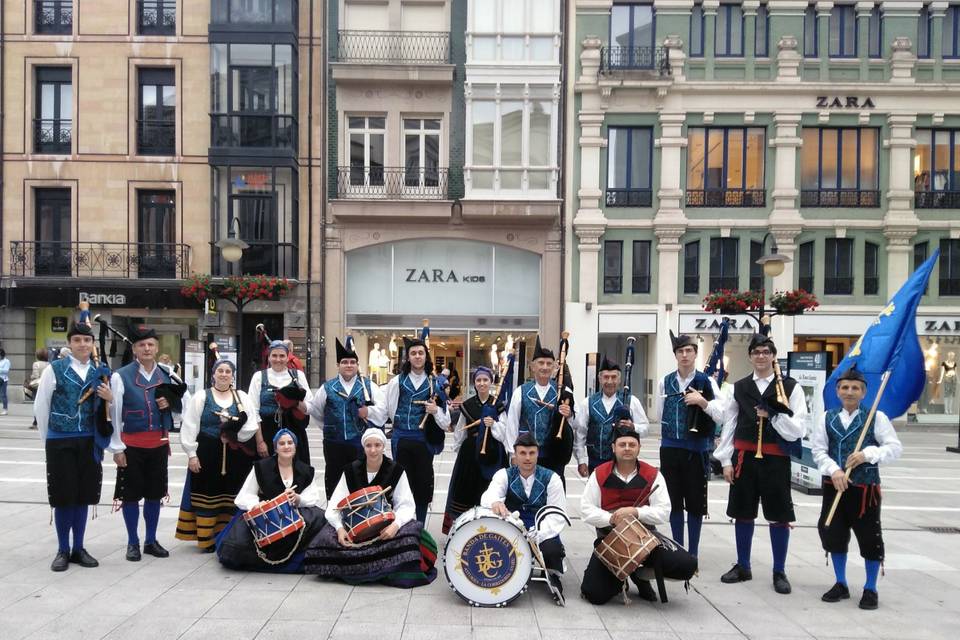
(273, 520)
(487, 559)
(366, 513)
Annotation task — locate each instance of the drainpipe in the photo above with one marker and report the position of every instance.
(310, 198)
(324, 159)
(562, 182)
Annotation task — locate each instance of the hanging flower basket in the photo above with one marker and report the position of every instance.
(731, 302)
(793, 303)
(201, 287)
(198, 286)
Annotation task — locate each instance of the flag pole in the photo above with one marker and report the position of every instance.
(863, 434)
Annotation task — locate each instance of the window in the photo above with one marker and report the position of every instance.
(52, 255)
(936, 168)
(843, 31)
(53, 17)
(811, 32)
(53, 124)
(949, 267)
(629, 167)
(871, 269)
(691, 267)
(421, 151)
(838, 267)
(156, 17)
(641, 266)
(157, 234)
(729, 33)
(756, 270)
(875, 34)
(805, 267)
(924, 32)
(920, 252)
(696, 30)
(253, 12)
(366, 135)
(725, 167)
(839, 168)
(762, 39)
(612, 266)
(632, 37)
(951, 32)
(156, 112)
(723, 264)
(514, 30)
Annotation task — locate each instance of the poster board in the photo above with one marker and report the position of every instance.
(810, 369)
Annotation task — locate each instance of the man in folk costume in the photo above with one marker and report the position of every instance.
(833, 440)
(622, 488)
(754, 416)
(533, 405)
(685, 453)
(341, 408)
(74, 434)
(143, 417)
(526, 487)
(411, 398)
(598, 416)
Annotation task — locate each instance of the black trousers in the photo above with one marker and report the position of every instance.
(74, 476)
(417, 461)
(553, 553)
(760, 481)
(685, 473)
(337, 456)
(859, 512)
(144, 477)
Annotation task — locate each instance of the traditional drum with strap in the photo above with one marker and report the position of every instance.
(273, 520)
(625, 548)
(366, 513)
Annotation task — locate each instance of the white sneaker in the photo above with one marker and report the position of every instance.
(3, 412)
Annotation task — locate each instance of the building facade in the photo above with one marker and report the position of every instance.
(707, 132)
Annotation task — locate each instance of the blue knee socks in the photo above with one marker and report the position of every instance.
(151, 516)
(79, 526)
(63, 518)
(744, 534)
(131, 518)
(694, 523)
(779, 540)
(873, 570)
(840, 567)
(676, 526)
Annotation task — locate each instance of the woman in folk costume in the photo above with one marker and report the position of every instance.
(281, 394)
(281, 473)
(402, 555)
(218, 426)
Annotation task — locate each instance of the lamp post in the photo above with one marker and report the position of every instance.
(773, 263)
(231, 249)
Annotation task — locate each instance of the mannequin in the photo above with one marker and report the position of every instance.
(948, 380)
(373, 363)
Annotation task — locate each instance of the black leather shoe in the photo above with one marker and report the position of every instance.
(84, 559)
(154, 549)
(869, 600)
(61, 562)
(736, 574)
(780, 583)
(133, 552)
(837, 593)
(645, 589)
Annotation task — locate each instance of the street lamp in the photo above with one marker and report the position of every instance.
(232, 247)
(773, 262)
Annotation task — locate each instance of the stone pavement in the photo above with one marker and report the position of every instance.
(190, 596)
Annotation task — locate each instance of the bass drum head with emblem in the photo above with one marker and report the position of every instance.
(487, 560)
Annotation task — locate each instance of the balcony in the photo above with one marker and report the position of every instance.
(52, 135)
(53, 17)
(393, 56)
(937, 199)
(848, 198)
(252, 137)
(726, 198)
(267, 258)
(156, 17)
(654, 60)
(629, 197)
(55, 259)
(392, 183)
(837, 286)
(270, 20)
(156, 137)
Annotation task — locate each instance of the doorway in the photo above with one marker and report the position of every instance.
(253, 349)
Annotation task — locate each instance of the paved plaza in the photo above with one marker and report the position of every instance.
(189, 595)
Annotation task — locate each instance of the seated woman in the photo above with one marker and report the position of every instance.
(279, 474)
(402, 555)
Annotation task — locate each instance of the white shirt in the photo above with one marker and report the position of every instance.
(376, 413)
(888, 451)
(392, 394)
(404, 507)
(190, 426)
(460, 430)
(510, 429)
(657, 511)
(550, 526)
(249, 495)
(714, 408)
(48, 383)
(581, 422)
(789, 428)
(276, 379)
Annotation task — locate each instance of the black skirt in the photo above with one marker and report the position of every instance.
(236, 548)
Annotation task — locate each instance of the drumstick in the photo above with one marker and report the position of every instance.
(370, 501)
(223, 463)
(544, 404)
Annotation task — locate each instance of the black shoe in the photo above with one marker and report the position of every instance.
(61, 562)
(84, 559)
(837, 593)
(154, 549)
(780, 583)
(736, 574)
(869, 600)
(645, 589)
(557, 590)
(133, 552)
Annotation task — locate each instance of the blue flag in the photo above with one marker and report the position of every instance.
(890, 343)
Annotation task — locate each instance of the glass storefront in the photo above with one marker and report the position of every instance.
(939, 400)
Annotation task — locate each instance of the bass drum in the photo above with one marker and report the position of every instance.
(487, 559)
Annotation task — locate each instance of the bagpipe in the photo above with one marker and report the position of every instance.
(491, 456)
(101, 408)
(558, 445)
(433, 434)
(623, 411)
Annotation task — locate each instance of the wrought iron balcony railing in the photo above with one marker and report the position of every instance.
(53, 17)
(156, 17)
(838, 286)
(860, 198)
(616, 58)
(726, 198)
(424, 183)
(52, 136)
(937, 199)
(255, 12)
(53, 258)
(397, 47)
(156, 137)
(263, 131)
(629, 197)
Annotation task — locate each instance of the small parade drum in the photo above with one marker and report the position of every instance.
(487, 559)
(625, 548)
(273, 520)
(366, 512)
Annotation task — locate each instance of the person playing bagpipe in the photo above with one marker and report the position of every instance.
(344, 409)
(71, 408)
(281, 395)
(146, 395)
